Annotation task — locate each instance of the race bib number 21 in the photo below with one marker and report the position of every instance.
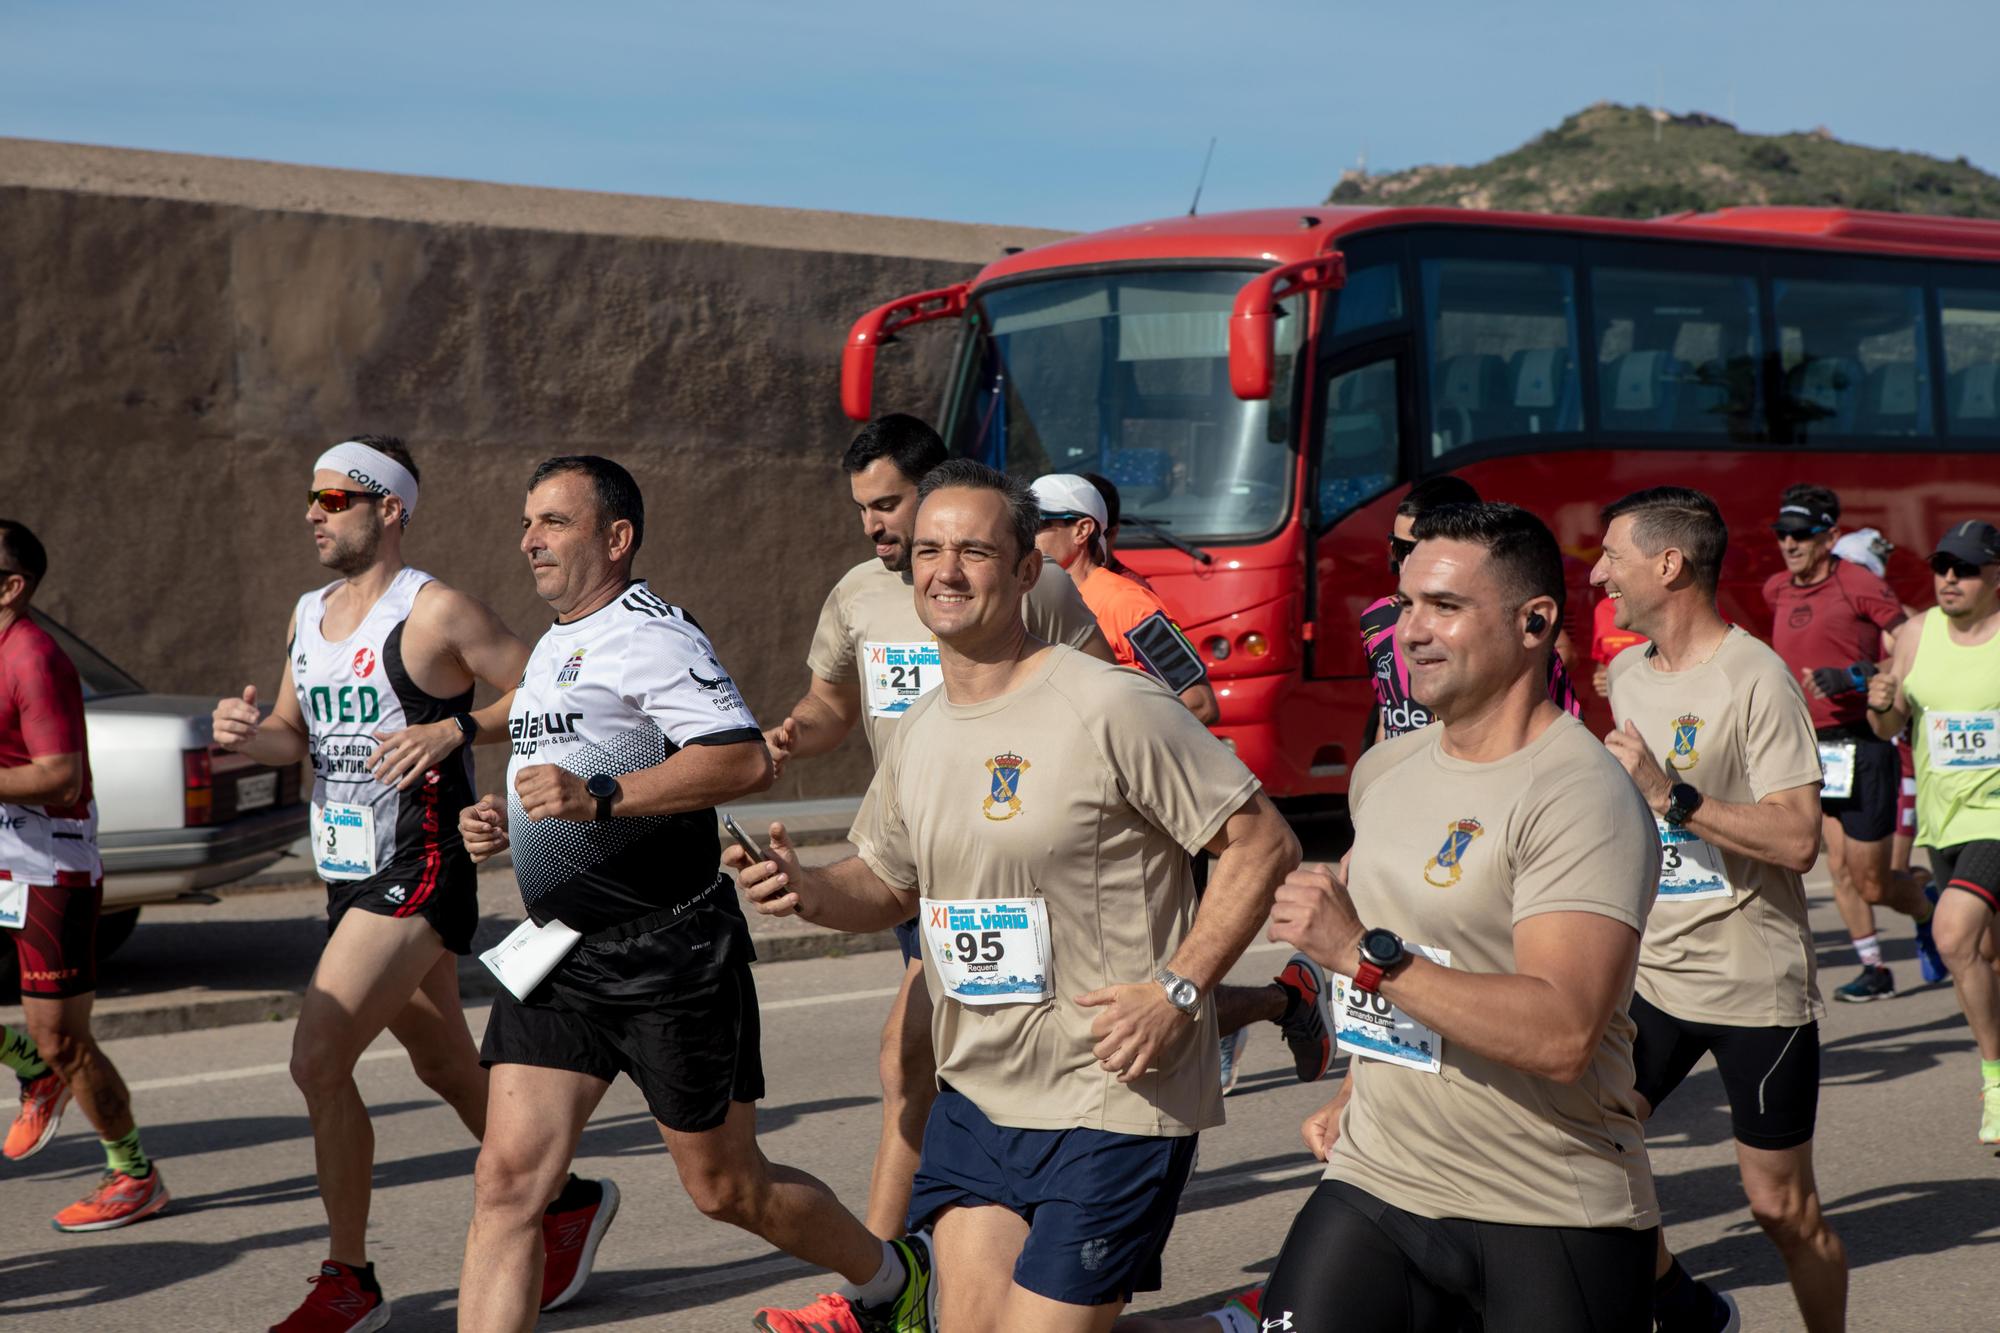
(896, 675)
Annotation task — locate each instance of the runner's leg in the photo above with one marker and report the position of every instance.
(534, 1118)
(909, 1086)
(371, 966)
(1784, 1199)
(979, 1247)
(730, 1180)
(1962, 925)
(1869, 872)
(1855, 912)
(61, 1029)
(1237, 1007)
(432, 1029)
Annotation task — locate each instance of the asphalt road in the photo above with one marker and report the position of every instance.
(1911, 1192)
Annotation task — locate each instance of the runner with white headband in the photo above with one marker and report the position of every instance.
(381, 665)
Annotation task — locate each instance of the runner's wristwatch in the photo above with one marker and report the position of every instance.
(1182, 994)
(1382, 952)
(1683, 799)
(604, 790)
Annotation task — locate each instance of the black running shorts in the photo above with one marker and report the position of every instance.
(613, 1008)
(1770, 1073)
(1868, 813)
(447, 898)
(1970, 867)
(57, 943)
(1357, 1264)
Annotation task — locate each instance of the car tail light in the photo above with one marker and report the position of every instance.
(197, 787)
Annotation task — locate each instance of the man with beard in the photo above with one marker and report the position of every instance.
(382, 664)
(871, 659)
(1944, 683)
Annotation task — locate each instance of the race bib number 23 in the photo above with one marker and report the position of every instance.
(989, 950)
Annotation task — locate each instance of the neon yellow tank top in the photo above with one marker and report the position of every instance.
(1954, 694)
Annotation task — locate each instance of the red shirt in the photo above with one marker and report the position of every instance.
(41, 705)
(1833, 623)
(1606, 639)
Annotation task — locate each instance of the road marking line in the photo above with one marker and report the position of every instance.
(394, 1052)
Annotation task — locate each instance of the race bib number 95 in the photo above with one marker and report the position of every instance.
(989, 950)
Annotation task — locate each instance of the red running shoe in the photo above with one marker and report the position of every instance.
(118, 1201)
(343, 1299)
(571, 1230)
(43, 1101)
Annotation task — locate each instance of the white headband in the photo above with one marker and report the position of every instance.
(375, 470)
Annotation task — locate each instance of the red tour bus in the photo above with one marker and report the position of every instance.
(1263, 387)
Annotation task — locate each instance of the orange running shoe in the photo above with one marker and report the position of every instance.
(827, 1314)
(43, 1102)
(343, 1299)
(118, 1201)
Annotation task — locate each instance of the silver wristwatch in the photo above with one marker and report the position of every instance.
(1182, 994)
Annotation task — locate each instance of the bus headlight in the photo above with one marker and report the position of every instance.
(1218, 648)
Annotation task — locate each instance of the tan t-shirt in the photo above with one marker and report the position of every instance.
(1451, 855)
(1728, 941)
(1086, 787)
(869, 632)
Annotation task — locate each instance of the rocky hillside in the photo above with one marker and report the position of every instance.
(1626, 161)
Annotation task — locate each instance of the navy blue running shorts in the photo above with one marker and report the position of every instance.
(909, 939)
(1099, 1206)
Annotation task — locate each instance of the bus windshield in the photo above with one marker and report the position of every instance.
(1127, 375)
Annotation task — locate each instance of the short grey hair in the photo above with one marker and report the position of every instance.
(1024, 516)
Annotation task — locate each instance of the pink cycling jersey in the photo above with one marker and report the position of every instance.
(1399, 712)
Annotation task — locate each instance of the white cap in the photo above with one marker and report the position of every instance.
(1067, 493)
(1861, 547)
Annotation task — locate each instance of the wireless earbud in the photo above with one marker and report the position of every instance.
(1536, 624)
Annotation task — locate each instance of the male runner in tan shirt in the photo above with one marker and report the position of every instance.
(1714, 730)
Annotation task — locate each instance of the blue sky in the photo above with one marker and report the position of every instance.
(1080, 114)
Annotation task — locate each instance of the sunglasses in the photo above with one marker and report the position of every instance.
(334, 502)
(1057, 520)
(1945, 565)
(1401, 548)
(1797, 534)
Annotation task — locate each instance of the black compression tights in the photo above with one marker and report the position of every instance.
(1353, 1264)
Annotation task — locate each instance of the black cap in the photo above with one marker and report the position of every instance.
(1803, 521)
(1974, 541)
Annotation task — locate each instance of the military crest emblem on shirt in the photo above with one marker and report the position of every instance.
(1004, 772)
(1443, 870)
(1686, 728)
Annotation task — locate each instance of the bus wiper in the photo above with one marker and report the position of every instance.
(1159, 529)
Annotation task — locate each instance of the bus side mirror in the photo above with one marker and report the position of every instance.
(880, 325)
(1252, 324)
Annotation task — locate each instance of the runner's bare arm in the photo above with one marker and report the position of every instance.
(695, 777)
(459, 633)
(46, 779)
(819, 721)
(1200, 700)
(1136, 1024)
(847, 895)
(1782, 829)
(276, 740)
(1888, 706)
(1573, 971)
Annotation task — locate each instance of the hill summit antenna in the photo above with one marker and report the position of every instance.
(1203, 178)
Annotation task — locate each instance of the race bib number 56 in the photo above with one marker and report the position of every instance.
(989, 950)
(1367, 1025)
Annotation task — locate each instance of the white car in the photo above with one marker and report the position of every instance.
(174, 814)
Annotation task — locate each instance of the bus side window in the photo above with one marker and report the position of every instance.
(1677, 352)
(1502, 339)
(1854, 358)
(1971, 320)
(1359, 444)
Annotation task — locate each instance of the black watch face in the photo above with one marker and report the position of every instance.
(1381, 947)
(602, 787)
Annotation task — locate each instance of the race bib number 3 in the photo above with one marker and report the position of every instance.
(899, 674)
(1689, 867)
(989, 950)
(344, 840)
(1836, 763)
(1963, 740)
(1369, 1026)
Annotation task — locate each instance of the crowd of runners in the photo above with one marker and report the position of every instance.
(1535, 936)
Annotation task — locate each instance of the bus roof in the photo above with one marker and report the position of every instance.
(1283, 235)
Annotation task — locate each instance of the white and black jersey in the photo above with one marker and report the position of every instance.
(613, 693)
(363, 830)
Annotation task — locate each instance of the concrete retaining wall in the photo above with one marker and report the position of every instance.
(184, 334)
